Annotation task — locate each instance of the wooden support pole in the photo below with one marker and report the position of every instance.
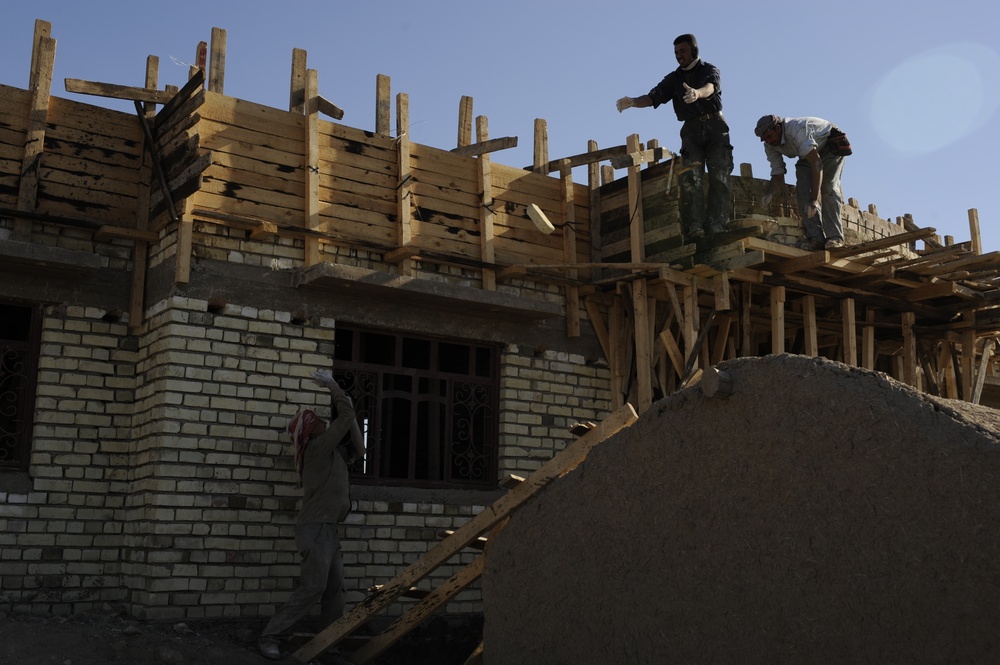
(404, 193)
(569, 249)
(946, 369)
(383, 98)
(721, 339)
(909, 349)
(217, 65)
(968, 356)
(777, 319)
(486, 240)
(692, 320)
(594, 184)
(643, 346)
(464, 121)
(984, 368)
(43, 60)
(636, 226)
(297, 87)
(868, 340)
(43, 29)
(311, 163)
(977, 238)
(746, 325)
(541, 147)
(618, 337)
(140, 250)
(600, 327)
(810, 331)
(850, 332)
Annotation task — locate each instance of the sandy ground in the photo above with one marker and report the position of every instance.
(106, 639)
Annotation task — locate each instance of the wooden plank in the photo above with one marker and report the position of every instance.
(217, 62)
(562, 462)
(404, 195)
(909, 349)
(673, 352)
(777, 319)
(600, 327)
(810, 331)
(643, 345)
(636, 225)
(721, 339)
(484, 147)
(570, 254)
(868, 355)
(464, 122)
(984, 366)
(311, 168)
(43, 30)
(977, 238)
(297, 82)
(421, 611)
(850, 332)
(192, 87)
(968, 365)
(34, 139)
(383, 98)
(541, 146)
(486, 239)
(114, 91)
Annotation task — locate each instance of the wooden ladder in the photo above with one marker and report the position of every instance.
(465, 536)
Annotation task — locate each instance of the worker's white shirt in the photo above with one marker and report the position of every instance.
(798, 137)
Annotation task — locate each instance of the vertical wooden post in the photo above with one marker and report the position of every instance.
(465, 121)
(311, 159)
(810, 331)
(594, 183)
(746, 327)
(541, 150)
(909, 349)
(383, 98)
(140, 249)
(297, 88)
(977, 238)
(616, 343)
(968, 356)
(777, 319)
(636, 226)
(868, 340)
(43, 57)
(217, 66)
(643, 346)
(984, 368)
(486, 208)
(850, 332)
(692, 320)
(569, 248)
(946, 367)
(404, 194)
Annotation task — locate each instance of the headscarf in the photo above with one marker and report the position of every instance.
(765, 123)
(301, 429)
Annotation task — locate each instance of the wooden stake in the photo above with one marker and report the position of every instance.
(217, 66)
(977, 239)
(850, 332)
(777, 319)
(43, 60)
(909, 349)
(404, 192)
(810, 331)
(465, 122)
(297, 87)
(486, 239)
(311, 163)
(383, 97)
(643, 346)
(569, 249)
(541, 151)
(636, 226)
(984, 366)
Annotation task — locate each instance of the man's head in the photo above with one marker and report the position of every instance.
(685, 49)
(769, 129)
(306, 425)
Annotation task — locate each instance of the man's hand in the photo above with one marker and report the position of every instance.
(812, 209)
(690, 94)
(324, 378)
(624, 103)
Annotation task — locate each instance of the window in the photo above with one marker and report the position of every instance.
(428, 407)
(20, 330)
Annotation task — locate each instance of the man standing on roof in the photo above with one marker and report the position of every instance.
(820, 148)
(695, 88)
(322, 457)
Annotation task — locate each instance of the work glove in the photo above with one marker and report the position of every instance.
(624, 103)
(323, 377)
(812, 209)
(690, 94)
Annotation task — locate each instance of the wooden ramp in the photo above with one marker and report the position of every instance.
(467, 535)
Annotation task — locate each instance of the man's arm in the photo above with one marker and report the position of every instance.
(640, 102)
(345, 410)
(817, 177)
(692, 95)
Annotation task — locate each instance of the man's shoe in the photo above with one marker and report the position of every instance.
(269, 649)
(716, 229)
(811, 244)
(833, 243)
(696, 232)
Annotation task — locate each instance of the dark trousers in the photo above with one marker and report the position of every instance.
(707, 142)
(321, 579)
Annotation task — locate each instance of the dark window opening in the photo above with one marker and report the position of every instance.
(20, 333)
(428, 408)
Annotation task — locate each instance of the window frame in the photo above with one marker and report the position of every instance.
(24, 406)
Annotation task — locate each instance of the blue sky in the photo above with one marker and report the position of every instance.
(917, 90)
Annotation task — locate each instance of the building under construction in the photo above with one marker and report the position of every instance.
(171, 278)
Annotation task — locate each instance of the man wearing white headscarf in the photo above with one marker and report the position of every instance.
(323, 454)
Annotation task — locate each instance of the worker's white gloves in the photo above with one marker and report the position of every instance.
(324, 378)
(690, 94)
(624, 103)
(812, 209)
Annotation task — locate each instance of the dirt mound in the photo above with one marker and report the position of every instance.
(822, 513)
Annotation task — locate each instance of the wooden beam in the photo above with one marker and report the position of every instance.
(43, 59)
(643, 346)
(968, 357)
(561, 463)
(486, 240)
(984, 366)
(43, 29)
(311, 165)
(541, 147)
(404, 191)
(810, 331)
(297, 86)
(217, 62)
(383, 97)
(484, 147)
(594, 185)
(585, 159)
(721, 339)
(636, 226)
(909, 349)
(777, 319)
(977, 238)
(868, 340)
(600, 327)
(464, 122)
(639, 157)
(112, 91)
(569, 251)
(850, 332)
(617, 336)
